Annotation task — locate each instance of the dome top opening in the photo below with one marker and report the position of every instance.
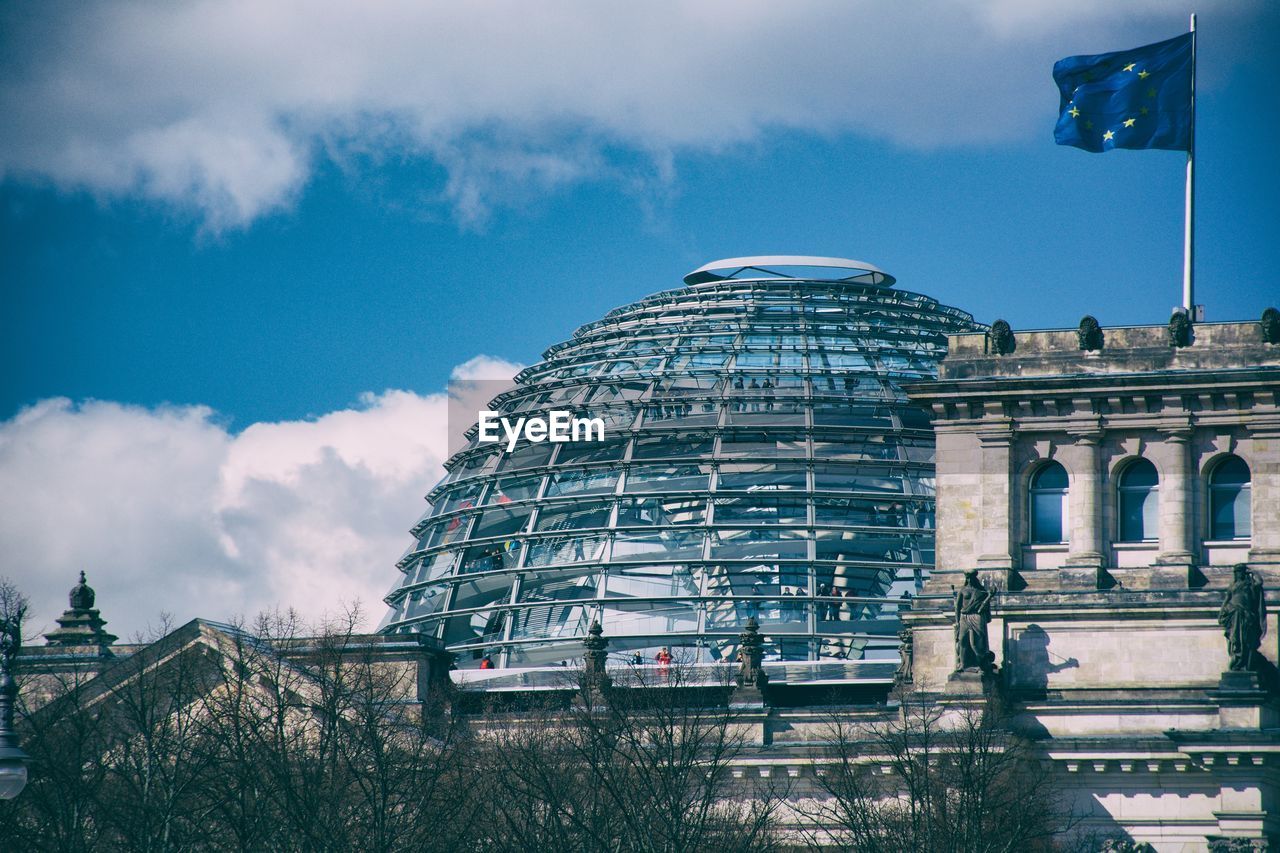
(790, 266)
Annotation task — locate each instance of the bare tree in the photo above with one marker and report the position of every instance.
(962, 782)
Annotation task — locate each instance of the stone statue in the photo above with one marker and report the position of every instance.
(750, 656)
(1271, 326)
(1180, 329)
(1000, 339)
(1243, 618)
(973, 612)
(1089, 334)
(905, 649)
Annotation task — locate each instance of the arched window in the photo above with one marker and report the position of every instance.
(1049, 504)
(1229, 499)
(1138, 489)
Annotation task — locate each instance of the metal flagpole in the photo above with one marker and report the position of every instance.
(1188, 246)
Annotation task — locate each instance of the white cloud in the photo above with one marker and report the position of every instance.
(223, 107)
(169, 511)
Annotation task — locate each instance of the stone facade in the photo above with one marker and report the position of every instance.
(1110, 650)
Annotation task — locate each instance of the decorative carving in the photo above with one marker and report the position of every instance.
(1243, 617)
(973, 612)
(1090, 334)
(750, 656)
(1180, 329)
(1271, 326)
(1000, 339)
(906, 645)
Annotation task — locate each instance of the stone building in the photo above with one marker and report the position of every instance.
(1106, 500)
(1104, 483)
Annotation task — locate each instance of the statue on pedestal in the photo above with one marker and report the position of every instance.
(1243, 617)
(973, 612)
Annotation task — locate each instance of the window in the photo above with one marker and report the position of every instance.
(1049, 505)
(1139, 500)
(1229, 499)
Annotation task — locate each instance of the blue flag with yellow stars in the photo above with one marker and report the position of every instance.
(1138, 98)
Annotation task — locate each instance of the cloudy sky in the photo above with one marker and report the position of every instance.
(244, 245)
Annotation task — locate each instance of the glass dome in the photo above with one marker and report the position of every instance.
(759, 459)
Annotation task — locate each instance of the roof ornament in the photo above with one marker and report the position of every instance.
(1179, 329)
(1090, 334)
(1000, 340)
(1270, 326)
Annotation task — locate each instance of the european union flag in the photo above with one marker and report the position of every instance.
(1138, 98)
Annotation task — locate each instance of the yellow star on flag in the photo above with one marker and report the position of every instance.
(1143, 74)
(1075, 112)
(1107, 135)
(1144, 110)
(1151, 93)
(1088, 125)
(1129, 67)
(1129, 122)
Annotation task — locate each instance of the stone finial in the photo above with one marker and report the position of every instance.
(1271, 326)
(596, 650)
(80, 624)
(1000, 339)
(1180, 329)
(81, 596)
(1089, 334)
(751, 655)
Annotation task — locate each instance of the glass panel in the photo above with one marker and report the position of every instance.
(659, 478)
(661, 511)
(1139, 514)
(866, 447)
(758, 543)
(565, 549)
(1048, 516)
(528, 456)
(1229, 512)
(573, 516)
(589, 482)
(508, 489)
(761, 510)
(850, 478)
(783, 413)
(768, 476)
(591, 451)
(651, 582)
(1051, 476)
(867, 546)
(672, 446)
(772, 445)
(854, 512)
(641, 618)
(663, 545)
(502, 521)
(852, 414)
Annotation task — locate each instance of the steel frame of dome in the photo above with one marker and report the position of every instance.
(758, 452)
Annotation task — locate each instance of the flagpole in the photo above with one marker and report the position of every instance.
(1188, 245)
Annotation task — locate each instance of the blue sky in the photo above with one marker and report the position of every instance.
(210, 214)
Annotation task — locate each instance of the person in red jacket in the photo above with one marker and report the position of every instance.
(663, 657)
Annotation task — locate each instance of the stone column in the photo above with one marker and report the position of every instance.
(1266, 494)
(1175, 503)
(1085, 505)
(995, 520)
